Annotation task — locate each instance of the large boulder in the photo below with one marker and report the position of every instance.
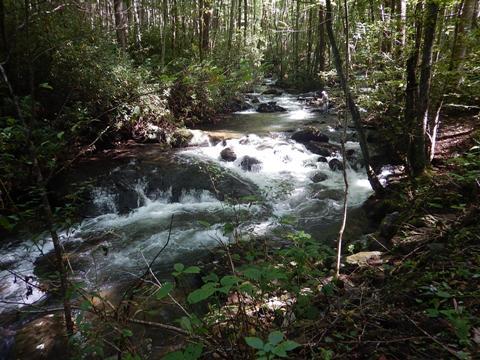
(323, 149)
(249, 163)
(270, 107)
(335, 165)
(309, 134)
(228, 154)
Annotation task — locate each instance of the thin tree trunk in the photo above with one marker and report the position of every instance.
(372, 177)
(60, 264)
(120, 24)
(419, 159)
(411, 91)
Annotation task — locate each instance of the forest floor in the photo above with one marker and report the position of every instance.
(419, 298)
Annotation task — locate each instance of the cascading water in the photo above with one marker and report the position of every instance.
(134, 200)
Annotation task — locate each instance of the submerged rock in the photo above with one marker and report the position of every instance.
(272, 91)
(309, 134)
(335, 165)
(270, 107)
(228, 154)
(319, 177)
(249, 163)
(322, 159)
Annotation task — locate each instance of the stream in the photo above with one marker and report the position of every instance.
(135, 192)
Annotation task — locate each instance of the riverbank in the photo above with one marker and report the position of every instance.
(284, 274)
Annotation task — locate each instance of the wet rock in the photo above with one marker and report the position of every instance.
(150, 134)
(41, 338)
(181, 138)
(333, 194)
(253, 98)
(237, 104)
(335, 165)
(323, 149)
(309, 134)
(272, 91)
(319, 177)
(389, 225)
(354, 159)
(249, 163)
(322, 159)
(270, 107)
(228, 154)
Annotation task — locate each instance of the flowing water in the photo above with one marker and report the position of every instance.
(136, 192)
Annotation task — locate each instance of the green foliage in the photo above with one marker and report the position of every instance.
(191, 352)
(274, 347)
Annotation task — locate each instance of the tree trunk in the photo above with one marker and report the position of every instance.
(231, 26)
(322, 42)
(418, 159)
(411, 91)
(120, 23)
(352, 107)
(464, 26)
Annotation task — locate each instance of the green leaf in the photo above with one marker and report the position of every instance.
(212, 277)
(127, 333)
(275, 337)
(164, 290)
(203, 293)
(179, 267)
(228, 228)
(229, 280)
(289, 345)
(4, 223)
(192, 270)
(252, 273)
(60, 135)
(254, 342)
(186, 324)
(279, 351)
(193, 351)
(205, 224)
(177, 355)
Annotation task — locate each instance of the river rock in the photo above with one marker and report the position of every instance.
(249, 163)
(322, 159)
(181, 137)
(228, 154)
(319, 177)
(323, 149)
(272, 91)
(365, 258)
(333, 194)
(309, 134)
(237, 104)
(354, 159)
(335, 165)
(270, 107)
(389, 225)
